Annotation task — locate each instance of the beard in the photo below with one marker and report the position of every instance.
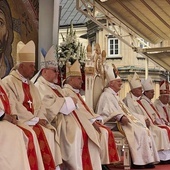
(2, 45)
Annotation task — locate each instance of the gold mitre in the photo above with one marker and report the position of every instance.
(73, 70)
(25, 52)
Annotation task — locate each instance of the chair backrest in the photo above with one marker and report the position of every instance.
(97, 90)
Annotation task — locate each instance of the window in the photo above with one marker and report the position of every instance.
(113, 48)
(143, 43)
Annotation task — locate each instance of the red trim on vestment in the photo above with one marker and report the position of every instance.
(47, 156)
(32, 157)
(145, 110)
(86, 162)
(27, 97)
(161, 126)
(113, 156)
(5, 101)
(167, 117)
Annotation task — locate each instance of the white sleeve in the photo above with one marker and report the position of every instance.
(68, 106)
(1, 112)
(33, 121)
(97, 118)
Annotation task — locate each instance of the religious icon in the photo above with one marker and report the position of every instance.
(6, 39)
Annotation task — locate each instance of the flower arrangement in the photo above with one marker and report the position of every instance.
(70, 48)
(69, 51)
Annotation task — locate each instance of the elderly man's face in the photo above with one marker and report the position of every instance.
(137, 91)
(149, 94)
(51, 74)
(76, 82)
(3, 31)
(116, 85)
(28, 69)
(164, 98)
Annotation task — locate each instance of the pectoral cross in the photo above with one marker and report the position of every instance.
(30, 103)
(2, 94)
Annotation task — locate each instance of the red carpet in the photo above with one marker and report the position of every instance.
(157, 167)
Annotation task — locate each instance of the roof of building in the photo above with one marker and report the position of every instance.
(70, 13)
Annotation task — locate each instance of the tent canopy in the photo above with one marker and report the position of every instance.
(150, 19)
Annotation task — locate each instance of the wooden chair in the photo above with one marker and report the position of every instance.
(94, 84)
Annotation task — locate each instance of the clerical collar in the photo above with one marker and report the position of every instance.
(76, 90)
(52, 85)
(116, 94)
(134, 97)
(24, 80)
(163, 105)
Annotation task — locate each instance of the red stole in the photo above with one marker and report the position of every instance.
(113, 156)
(161, 126)
(167, 117)
(28, 101)
(155, 110)
(32, 157)
(5, 100)
(47, 157)
(145, 110)
(87, 165)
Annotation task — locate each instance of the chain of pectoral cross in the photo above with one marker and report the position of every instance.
(126, 111)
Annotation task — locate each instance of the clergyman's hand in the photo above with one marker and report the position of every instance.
(96, 125)
(124, 120)
(43, 122)
(10, 118)
(147, 121)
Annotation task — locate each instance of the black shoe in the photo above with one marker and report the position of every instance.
(149, 166)
(164, 162)
(137, 166)
(104, 167)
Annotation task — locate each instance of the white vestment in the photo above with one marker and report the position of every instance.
(162, 109)
(98, 143)
(68, 127)
(160, 135)
(140, 140)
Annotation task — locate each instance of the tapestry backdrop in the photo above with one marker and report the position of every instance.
(18, 22)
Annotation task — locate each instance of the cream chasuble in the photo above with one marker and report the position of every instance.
(14, 82)
(141, 143)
